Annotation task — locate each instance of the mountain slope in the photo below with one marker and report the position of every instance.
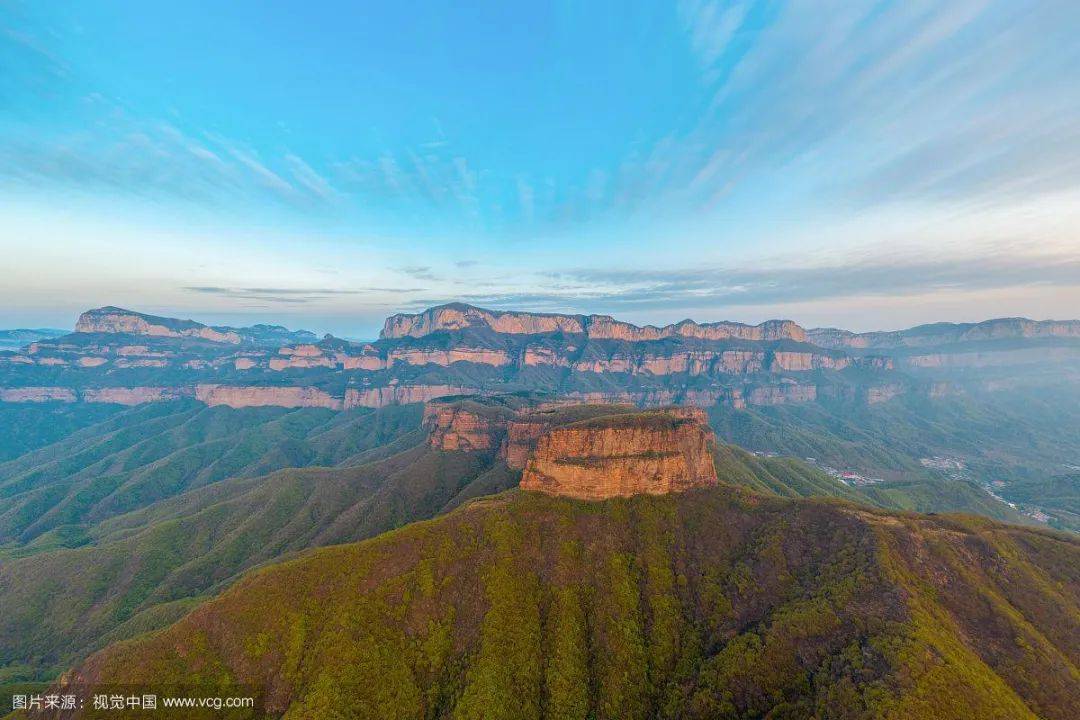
(711, 603)
(935, 455)
(158, 450)
(27, 427)
(143, 569)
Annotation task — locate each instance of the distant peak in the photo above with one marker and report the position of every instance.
(112, 319)
(459, 316)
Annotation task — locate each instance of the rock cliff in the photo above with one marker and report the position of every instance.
(458, 426)
(114, 320)
(257, 396)
(944, 333)
(117, 320)
(653, 453)
(459, 349)
(458, 316)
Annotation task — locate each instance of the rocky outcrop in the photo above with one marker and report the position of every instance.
(946, 333)
(510, 425)
(37, 394)
(459, 349)
(114, 320)
(781, 394)
(800, 361)
(402, 394)
(521, 439)
(118, 320)
(133, 395)
(651, 453)
(458, 316)
(239, 396)
(463, 426)
(994, 357)
(875, 394)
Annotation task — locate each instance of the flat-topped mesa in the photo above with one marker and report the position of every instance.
(945, 333)
(457, 316)
(507, 424)
(118, 320)
(644, 453)
(114, 320)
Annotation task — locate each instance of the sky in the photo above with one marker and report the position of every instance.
(869, 165)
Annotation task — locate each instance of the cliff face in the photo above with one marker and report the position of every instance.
(401, 394)
(37, 394)
(133, 395)
(651, 453)
(118, 320)
(457, 316)
(459, 349)
(944, 333)
(255, 396)
(456, 427)
(114, 320)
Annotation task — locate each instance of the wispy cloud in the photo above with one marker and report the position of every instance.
(779, 284)
(711, 25)
(158, 160)
(419, 272)
(296, 296)
(431, 176)
(875, 103)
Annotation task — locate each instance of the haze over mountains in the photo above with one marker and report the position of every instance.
(120, 356)
(149, 465)
(990, 403)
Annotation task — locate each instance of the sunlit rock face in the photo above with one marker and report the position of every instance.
(254, 396)
(117, 320)
(650, 453)
(459, 349)
(453, 427)
(457, 316)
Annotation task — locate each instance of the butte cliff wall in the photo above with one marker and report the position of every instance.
(651, 453)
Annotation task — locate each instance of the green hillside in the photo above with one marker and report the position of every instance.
(28, 426)
(143, 569)
(137, 571)
(126, 525)
(1021, 445)
(155, 451)
(713, 603)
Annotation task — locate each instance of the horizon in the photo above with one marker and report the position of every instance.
(375, 334)
(875, 166)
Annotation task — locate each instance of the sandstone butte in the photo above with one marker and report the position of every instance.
(458, 316)
(653, 453)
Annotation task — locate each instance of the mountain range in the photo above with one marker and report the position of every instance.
(119, 356)
(642, 570)
(991, 403)
(503, 514)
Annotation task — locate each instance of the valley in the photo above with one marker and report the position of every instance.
(160, 474)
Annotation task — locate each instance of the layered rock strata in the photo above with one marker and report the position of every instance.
(943, 333)
(457, 316)
(650, 453)
(118, 320)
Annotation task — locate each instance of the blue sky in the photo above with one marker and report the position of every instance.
(870, 165)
